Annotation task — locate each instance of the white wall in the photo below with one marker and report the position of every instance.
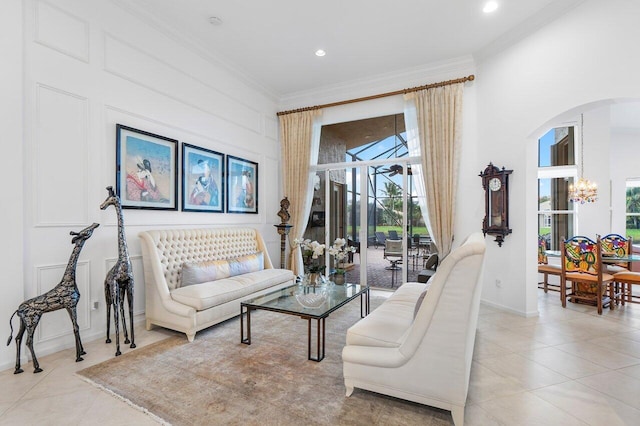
(12, 211)
(583, 57)
(88, 66)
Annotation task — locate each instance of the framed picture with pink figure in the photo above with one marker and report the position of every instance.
(202, 174)
(242, 185)
(146, 169)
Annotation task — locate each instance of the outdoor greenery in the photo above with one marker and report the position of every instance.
(633, 206)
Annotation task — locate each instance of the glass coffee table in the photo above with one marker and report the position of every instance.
(310, 303)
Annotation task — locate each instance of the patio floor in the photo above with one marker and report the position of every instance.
(377, 275)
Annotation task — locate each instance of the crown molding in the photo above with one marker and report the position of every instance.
(386, 82)
(194, 46)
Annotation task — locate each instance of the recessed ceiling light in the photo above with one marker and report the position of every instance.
(214, 20)
(490, 6)
(320, 52)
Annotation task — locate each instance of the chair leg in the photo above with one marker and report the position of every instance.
(546, 282)
(612, 297)
(599, 297)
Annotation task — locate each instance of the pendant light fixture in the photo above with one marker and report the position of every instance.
(584, 191)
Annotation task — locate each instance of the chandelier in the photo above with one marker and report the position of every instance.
(584, 191)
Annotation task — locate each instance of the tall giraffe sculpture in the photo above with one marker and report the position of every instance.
(119, 280)
(64, 295)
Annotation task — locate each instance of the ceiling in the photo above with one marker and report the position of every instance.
(272, 43)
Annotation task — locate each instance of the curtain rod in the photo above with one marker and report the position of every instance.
(382, 95)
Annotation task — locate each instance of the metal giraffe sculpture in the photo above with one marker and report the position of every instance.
(119, 280)
(64, 295)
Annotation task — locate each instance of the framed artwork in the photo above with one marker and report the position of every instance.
(202, 184)
(146, 170)
(242, 185)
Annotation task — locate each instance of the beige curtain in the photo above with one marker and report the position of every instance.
(435, 116)
(300, 141)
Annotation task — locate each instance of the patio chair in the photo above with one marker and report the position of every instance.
(355, 244)
(429, 268)
(393, 235)
(393, 253)
(380, 239)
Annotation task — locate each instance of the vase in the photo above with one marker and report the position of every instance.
(314, 279)
(339, 278)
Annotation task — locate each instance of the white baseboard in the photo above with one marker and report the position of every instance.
(510, 310)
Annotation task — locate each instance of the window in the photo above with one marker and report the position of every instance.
(633, 208)
(556, 171)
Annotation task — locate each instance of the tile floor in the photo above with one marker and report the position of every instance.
(565, 367)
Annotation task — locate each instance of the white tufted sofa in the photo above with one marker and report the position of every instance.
(195, 307)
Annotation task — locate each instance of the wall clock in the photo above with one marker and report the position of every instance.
(495, 183)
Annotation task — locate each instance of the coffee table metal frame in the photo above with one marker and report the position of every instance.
(320, 317)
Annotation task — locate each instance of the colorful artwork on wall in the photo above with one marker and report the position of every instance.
(146, 169)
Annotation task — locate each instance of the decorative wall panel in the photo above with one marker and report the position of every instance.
(56, 324)
(141, 68)
(59, 158)
(61, 31)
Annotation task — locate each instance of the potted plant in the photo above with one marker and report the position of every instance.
(311, 252)
(340, 251)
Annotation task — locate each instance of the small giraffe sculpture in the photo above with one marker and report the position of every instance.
(64, 295)
(119, 280)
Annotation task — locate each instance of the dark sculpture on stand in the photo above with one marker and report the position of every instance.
(64, 295)
(284, 227)
(119, 280)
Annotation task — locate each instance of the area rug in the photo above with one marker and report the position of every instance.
(216, 380)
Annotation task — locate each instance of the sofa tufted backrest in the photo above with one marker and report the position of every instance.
(174, 247)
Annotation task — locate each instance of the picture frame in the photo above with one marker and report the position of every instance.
(202, 179)
(146, 169)
(242, 185)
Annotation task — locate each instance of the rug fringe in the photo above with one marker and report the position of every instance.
(128, 401)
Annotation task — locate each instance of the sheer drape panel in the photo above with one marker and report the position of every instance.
(413, 145)
(300, 140)
(438, 119)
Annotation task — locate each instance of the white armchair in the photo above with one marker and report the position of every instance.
(426, 359)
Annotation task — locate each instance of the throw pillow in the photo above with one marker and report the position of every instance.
(246, 264)
(202, 272)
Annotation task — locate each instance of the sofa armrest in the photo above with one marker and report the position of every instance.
(373, 356)
(178, 308)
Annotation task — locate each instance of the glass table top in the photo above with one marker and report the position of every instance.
(315, 302)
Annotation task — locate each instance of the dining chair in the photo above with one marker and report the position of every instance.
(615, 245)
(545, 268)
(581, 261)
(627, 279)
